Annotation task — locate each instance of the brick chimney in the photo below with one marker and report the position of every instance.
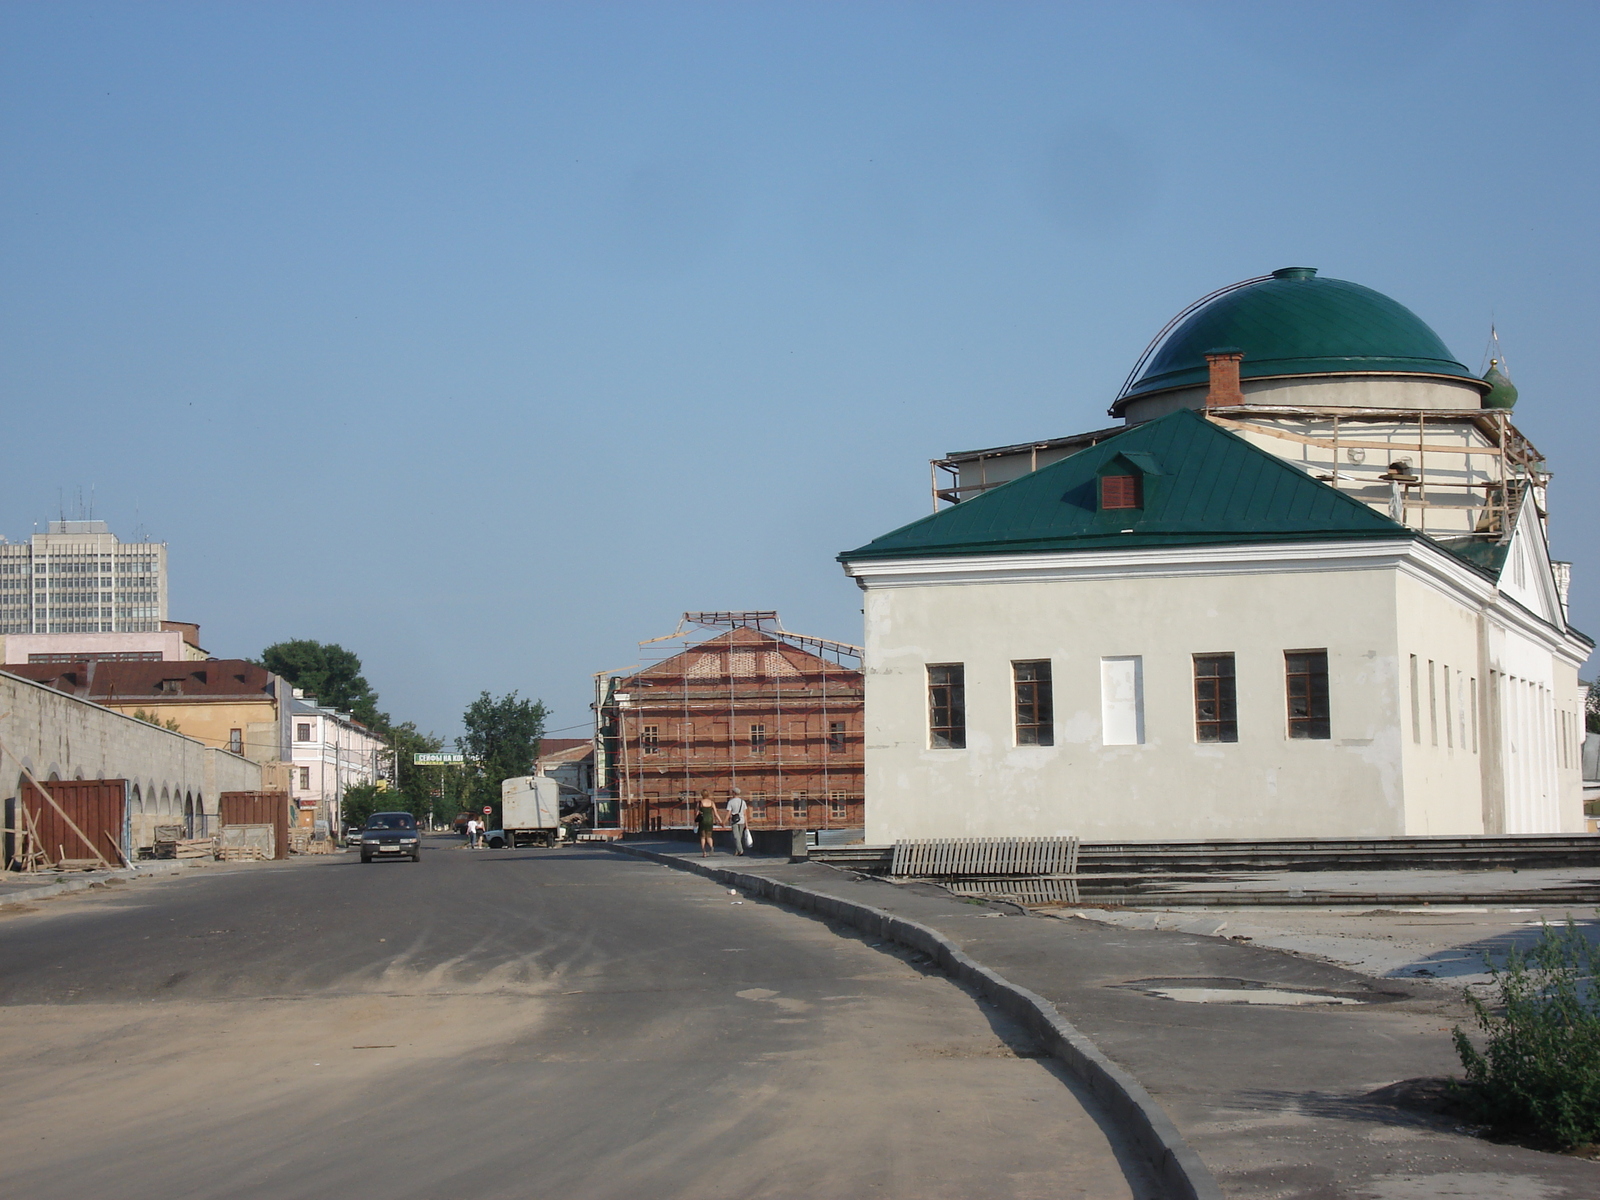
(1224, 367)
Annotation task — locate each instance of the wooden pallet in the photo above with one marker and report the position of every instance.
(954, 858)
(242, 854)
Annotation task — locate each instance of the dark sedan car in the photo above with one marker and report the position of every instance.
(390, 835)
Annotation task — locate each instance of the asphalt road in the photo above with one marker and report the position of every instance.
(506, 1024)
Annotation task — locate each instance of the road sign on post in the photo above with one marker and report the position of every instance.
(487, 810)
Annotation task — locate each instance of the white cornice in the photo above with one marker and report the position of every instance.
(1161, 561)
(1415, 558)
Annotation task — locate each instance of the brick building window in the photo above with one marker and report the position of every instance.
(1306, 677)
(1216, 703)
(1035, 703)
(650, 739)
(758, 739)
(236, 741)
(305, 779)
(947, 707)
(302, 731)
(799, 804)
(836, 737)
(836, 805)
(758, 804)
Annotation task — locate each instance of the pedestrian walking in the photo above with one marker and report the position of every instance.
(474, 828)
(706, 822)
(737, 809)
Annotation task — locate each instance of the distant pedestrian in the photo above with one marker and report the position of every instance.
(706, 822)
(474, 828)
(736, 818)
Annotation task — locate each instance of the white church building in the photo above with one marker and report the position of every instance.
(1303, 591)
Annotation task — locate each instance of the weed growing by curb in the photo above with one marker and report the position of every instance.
(1537, 1078)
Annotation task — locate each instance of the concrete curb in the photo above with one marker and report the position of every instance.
(1176, 1164)
(87, 881)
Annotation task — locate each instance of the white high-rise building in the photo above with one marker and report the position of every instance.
(78, 578)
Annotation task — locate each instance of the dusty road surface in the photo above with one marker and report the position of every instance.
(520, 1024)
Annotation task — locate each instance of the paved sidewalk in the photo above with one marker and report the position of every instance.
(18, 888)
(1272, 1098)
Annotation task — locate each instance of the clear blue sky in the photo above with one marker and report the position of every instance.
(484, 339)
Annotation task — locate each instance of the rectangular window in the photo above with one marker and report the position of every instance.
(1416, 704)
(1449, 721)
(1122, 700)
(650, 739)
(836, 737)
(1433, 704)
(1216, 702)
(1306, 675)
(305, 779)
(758, 739)
(1036, 725)
(302, 731)
(758, 804)
(1119, 491)
(1474, 683)
(836, 806)
(947, 707)
(798, 805)
(236, 741)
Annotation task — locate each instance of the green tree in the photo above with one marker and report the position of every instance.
(329, 672)
(417, 784)
(151, 718)
(501, 742)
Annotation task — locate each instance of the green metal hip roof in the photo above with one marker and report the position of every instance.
(1297, 323)
(1200, 484)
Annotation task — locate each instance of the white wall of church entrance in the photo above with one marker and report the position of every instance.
(1266, 784)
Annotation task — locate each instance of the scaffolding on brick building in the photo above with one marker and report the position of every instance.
(677, 727)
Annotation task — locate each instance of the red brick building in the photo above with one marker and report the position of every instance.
(754, 708)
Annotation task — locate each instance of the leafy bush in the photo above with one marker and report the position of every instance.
(1537, 1078)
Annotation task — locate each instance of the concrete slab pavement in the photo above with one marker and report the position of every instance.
(1276, 1098)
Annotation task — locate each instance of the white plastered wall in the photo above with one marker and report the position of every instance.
(1265, 785)
(1443, 738)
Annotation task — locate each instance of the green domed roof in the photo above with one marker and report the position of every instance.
(1296, 323)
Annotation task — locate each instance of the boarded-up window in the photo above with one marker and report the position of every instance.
(1119, 491)
(1122, 700)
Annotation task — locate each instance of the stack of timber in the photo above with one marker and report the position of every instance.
(322, 845)
(243, 854)
(299, 839)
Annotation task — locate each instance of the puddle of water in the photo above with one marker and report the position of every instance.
(1204, 995)
(1224, 990)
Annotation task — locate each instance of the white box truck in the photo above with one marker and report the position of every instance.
(530, 810)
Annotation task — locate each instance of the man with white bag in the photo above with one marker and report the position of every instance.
(736, 818)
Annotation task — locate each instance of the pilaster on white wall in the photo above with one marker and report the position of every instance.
(1122, 700)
